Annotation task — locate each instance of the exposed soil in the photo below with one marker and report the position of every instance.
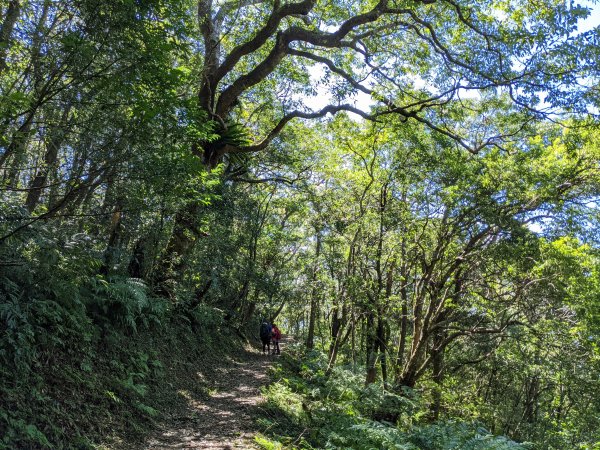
(225, 418)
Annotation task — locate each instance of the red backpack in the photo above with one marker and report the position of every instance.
(276, 333)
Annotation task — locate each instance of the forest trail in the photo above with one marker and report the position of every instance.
(227, 418)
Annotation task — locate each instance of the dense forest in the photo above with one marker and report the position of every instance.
(409, 188)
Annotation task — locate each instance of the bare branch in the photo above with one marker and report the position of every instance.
(263, 34)
(281, 48)
(331, 109)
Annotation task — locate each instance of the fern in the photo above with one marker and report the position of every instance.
(234, 134)
(19, 430)
(124, 301)
(461, 436)
(19, 336)
(342, 412)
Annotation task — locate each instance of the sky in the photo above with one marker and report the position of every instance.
(364, 101)
(593, 20)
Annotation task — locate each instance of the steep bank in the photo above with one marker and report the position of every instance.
(120, 388)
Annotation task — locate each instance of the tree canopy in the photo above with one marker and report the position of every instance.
(410, 188)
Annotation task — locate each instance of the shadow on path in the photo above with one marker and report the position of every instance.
(226, 418)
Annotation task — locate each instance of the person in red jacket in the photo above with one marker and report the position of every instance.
(276, 337)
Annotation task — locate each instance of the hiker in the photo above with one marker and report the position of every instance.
(265, 336)
(276, 335)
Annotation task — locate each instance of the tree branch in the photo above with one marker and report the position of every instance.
(331, 109)
(263, 34)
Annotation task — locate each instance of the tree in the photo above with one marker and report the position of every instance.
(426, 231)
(454, 47)
(413, 60)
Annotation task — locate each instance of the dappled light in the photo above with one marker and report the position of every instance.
(225, 419)
(407, 191)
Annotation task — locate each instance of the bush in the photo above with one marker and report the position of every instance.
(65, 329)
(124, 303)
(308, 408)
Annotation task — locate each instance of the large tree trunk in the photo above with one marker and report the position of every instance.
(532, 394)
(173, 260)
(404, 276)
(335, 327)
(278, 311)
(337, 321)
(438, 372)
(114, 240)
(16, 149)
(53, 145)
(382, 337)
(403, 333)
(413, 368)
(137, 264)
(371, 347)
(314, 297)
(382, 324)
(8, 24)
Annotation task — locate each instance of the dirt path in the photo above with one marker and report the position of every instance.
(227, 418)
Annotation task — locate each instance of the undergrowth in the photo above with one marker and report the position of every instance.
(309, 409)
(86, 358)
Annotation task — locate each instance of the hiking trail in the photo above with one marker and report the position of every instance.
(227, 418)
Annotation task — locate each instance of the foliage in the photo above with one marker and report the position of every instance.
(124, 303)
(106, 341)
(308, 409)
(431, 236)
